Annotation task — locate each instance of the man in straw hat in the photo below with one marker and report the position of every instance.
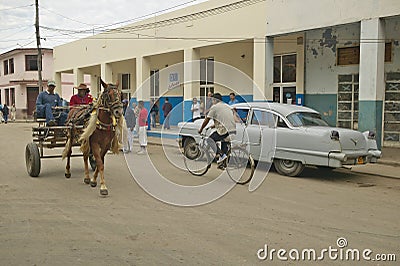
(82, 97)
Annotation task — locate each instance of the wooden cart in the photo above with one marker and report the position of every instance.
(45, 137)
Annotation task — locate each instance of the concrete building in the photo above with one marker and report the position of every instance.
(339, 57)
(19, 79)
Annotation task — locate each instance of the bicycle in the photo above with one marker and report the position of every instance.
(198, 158)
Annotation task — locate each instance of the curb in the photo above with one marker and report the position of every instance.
(390, 163)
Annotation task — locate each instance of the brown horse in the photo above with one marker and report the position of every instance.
(103, 132)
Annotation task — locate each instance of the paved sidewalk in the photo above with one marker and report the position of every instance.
(390, 156)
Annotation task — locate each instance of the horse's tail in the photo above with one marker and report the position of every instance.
(120, 132)
(68, 147)
(90, 128)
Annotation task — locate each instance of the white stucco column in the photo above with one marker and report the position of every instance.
(269, 67)
(94, 85)
(191, 80)
(372, 80)
(142, 81)
(78, 76)
(106, 72)
(57, 79)
(191, 75)
(259, 71)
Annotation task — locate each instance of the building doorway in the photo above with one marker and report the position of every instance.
(32, 93)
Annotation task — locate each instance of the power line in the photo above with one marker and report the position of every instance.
(167, 22)
(12, 8)
(148, 15)
(58, 14)
(14, 28)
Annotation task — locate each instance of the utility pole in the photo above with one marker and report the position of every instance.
(39, 47)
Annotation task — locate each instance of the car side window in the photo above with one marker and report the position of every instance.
(241, 115)
(263, 118)
(281, 122)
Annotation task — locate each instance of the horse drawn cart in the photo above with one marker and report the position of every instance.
(50, 138)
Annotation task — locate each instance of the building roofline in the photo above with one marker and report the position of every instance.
(17, 50)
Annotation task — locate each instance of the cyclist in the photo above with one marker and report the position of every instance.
(224, 123)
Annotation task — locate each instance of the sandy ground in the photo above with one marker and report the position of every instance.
(51, 220)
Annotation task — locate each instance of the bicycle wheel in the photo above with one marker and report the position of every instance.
(240, 165)
(197, 158)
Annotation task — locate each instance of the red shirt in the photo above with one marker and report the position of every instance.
(143, 117)
(76, 100)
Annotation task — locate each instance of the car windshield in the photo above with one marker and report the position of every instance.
(303, 119)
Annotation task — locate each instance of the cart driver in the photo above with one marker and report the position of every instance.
(45, 103)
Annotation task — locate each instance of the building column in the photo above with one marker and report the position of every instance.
(142, 79)
(94, 85)
(78, 76)
(269, 67)
(191, 80)
(58, 81)
(259, 71)
(106, 72)
(372, 82)
(143, 83)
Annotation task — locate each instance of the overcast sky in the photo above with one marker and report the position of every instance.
(17, 18)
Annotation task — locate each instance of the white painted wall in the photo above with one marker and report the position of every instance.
(288, 16)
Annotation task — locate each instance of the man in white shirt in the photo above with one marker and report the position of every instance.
(195, 109)
(224, 122)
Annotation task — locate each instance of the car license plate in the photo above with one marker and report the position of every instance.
(360, 160)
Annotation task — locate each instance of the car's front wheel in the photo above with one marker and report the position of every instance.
(288, 167)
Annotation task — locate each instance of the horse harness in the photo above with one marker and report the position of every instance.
(107, 105)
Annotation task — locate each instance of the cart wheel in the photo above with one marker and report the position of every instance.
(92, 162)
(32, 159)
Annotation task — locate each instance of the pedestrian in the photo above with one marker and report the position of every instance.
(232, 98)
(153, 112)
(125, 104)
(209, 102)
(5, 113)
(136, 109)
(195, 109)
(130, 119)
(1, 113)
(142, 128)
(167, 108)
(13, 111)
(202, 108)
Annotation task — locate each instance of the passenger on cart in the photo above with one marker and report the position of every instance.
(46, 106)
(82, 97)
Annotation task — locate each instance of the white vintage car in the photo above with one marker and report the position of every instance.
(292, 137)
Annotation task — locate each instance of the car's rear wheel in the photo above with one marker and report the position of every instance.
(288, 167)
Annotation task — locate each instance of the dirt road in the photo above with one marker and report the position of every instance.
(51, 220)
